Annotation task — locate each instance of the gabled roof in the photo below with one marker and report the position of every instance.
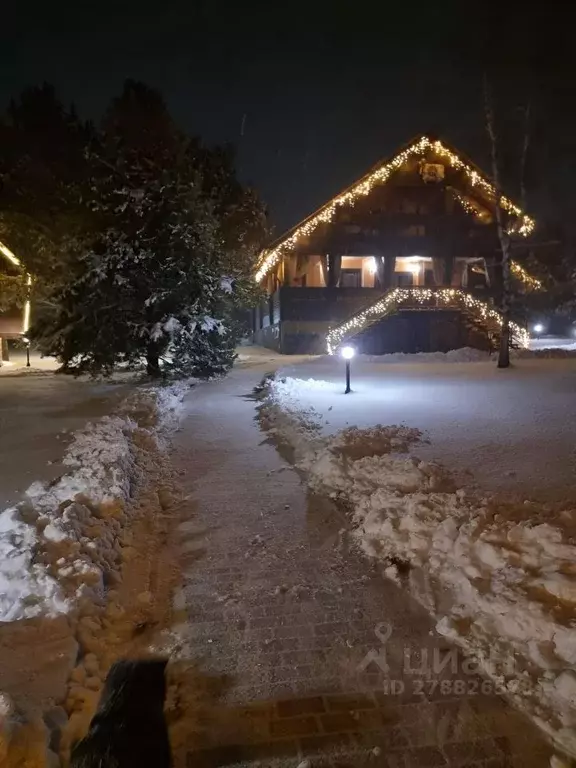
(379, 175)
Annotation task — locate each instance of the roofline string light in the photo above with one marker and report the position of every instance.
(364, 187)
(397, 296)
(517, 269)
(5, 251)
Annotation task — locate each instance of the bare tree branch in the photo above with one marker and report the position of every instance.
(523, 157)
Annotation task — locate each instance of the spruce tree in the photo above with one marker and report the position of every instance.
(159, 281)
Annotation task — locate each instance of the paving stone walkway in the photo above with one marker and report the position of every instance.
(305, 651)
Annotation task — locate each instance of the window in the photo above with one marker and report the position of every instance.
(351, 278)
(405, 279)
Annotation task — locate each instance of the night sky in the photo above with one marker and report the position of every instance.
(323, 90)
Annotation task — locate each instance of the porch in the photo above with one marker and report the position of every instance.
(298, 320)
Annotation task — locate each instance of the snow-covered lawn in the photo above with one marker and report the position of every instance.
(513, 429)
(500, 578)
(38, 414)
(63, 540)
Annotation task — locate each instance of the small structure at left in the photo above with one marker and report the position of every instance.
(14, 320)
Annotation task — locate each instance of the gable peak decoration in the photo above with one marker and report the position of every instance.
(380, 175)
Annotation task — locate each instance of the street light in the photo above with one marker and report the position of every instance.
(27, 342)
(538, 328)
(347, 353)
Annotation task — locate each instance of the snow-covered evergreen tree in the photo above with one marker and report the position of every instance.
(159, 282)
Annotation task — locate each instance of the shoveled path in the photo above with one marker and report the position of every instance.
(287, 626)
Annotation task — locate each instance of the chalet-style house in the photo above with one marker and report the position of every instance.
(407, 259)
(14, 322)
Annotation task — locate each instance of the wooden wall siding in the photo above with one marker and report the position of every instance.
(326, 304)
(11, 323)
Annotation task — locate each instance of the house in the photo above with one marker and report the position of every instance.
(406, 259)
(15, 321)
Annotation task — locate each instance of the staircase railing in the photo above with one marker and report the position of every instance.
(421, 298)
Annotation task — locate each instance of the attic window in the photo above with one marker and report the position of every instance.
(432, 172)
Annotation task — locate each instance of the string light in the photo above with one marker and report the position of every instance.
(517, 270)
(270, 258)
(521, 274)
(9, 255)
(399, 296)
(5, 251)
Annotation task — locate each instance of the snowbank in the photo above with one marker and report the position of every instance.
(500, 579)
(463, 355)
(63, 542)
(469, 355)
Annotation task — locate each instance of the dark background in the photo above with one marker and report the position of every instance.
(314, 93)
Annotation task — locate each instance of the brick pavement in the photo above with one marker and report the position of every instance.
(302, 650)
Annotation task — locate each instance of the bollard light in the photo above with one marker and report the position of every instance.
(27, 342)
(347, 353)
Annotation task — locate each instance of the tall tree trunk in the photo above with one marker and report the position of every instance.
(153, 361)
(503, 236)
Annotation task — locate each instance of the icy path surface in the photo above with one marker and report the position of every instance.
(311, 651)
(513, 429)
(38, 413)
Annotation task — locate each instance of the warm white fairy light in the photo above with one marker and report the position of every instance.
(517, 270)
(26, 321)
(398, 296)
(9, 255)
(5, 251)
(270, 258)
(521, 274)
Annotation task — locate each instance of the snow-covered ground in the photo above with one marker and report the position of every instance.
(18, 363)
(38, 414)
(59, 544)
(553, 342)
(499, 578)
(512, 429)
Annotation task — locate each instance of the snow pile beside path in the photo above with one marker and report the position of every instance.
(64, 542)
(463, 355)
(501, 580)
(468, 355)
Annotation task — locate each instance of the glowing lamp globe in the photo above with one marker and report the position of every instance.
(538, 328)
(347, 353)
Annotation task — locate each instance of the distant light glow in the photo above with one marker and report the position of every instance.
(538, 328)
(26, 320)
(372, 265)
(5, 251)
(9, 255)
(347, 353)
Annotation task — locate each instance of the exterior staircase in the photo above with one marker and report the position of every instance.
(477, 314)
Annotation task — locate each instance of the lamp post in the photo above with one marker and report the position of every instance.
(27, 342)
(347, 353)
(538, 328)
